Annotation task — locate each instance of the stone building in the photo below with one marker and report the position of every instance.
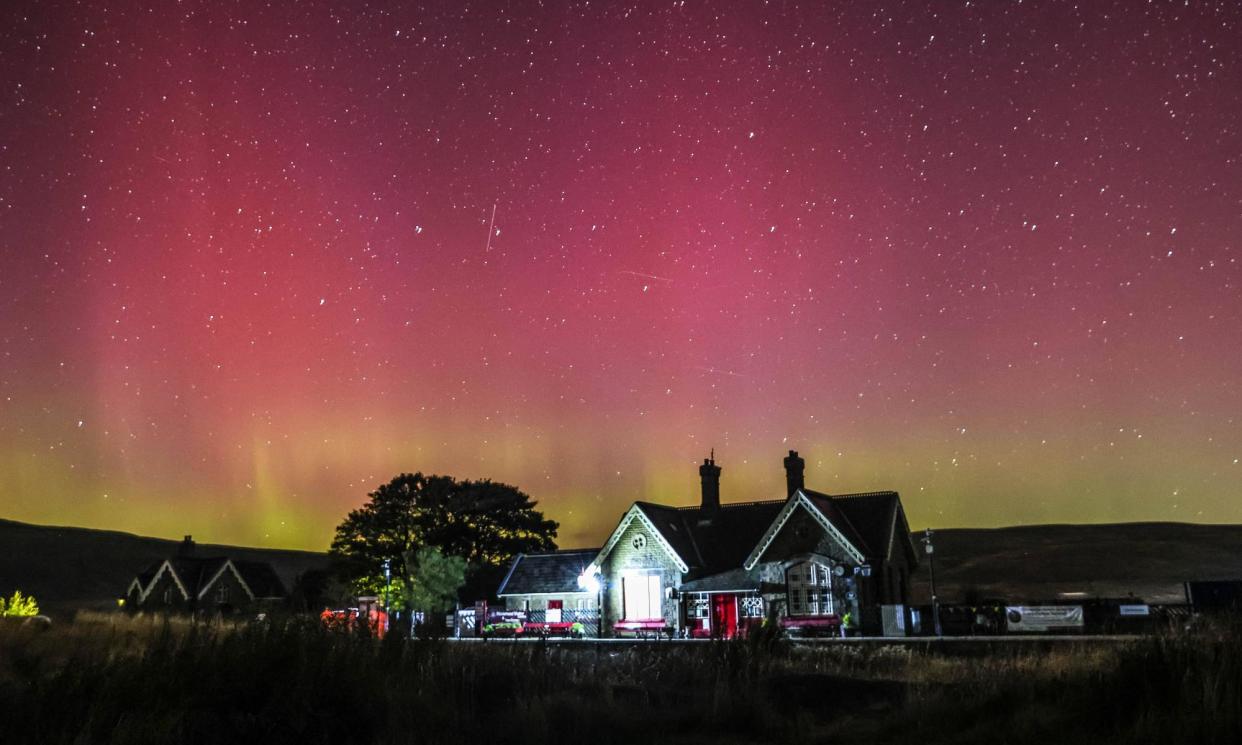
(549, 589)
(811, 562)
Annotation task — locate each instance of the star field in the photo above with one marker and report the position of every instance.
(257, 259)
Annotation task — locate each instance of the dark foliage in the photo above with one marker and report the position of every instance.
(484, 522)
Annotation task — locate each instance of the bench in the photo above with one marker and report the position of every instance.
(644, 628)
(829, 625)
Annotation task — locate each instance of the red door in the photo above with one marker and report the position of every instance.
(724, 616)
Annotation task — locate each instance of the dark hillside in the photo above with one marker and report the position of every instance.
(1038, 562)
(70, 568)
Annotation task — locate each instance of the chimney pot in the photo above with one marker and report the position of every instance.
(709, 475)
(794, 466)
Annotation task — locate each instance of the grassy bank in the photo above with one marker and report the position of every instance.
(122, 680)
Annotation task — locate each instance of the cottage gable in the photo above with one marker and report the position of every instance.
(880, 520)
(803, 527)
(189, 582)
(636, 527)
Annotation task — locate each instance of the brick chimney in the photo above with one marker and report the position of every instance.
(793, 473)
(187, 546)
(709, 474)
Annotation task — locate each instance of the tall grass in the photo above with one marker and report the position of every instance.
(114, 679)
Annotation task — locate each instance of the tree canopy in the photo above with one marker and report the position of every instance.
(486, 523)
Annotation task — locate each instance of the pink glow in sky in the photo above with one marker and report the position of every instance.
(985, 254)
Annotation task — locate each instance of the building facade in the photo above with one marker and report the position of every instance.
(548, 589)
(812, 562)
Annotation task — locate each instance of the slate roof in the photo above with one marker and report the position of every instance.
(732, 580)
(871, 517)
(195, 572)
(712, 542)
(261, 578)
(549, 572)
(148, 574)
(715, 545)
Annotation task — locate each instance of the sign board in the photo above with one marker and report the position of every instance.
(1040, 618)
(1134, 610)
(893, 620)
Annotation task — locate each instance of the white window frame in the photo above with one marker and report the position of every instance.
(809, 588)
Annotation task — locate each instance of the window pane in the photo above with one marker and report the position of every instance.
(655, 597)
(635, 597)
(642, 597)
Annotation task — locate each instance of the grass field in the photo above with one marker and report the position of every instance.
(110, 678)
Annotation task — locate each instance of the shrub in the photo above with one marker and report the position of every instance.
(19, 605)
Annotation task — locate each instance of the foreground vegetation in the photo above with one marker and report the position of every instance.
(135, 680)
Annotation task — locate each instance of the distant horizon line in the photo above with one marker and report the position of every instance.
(1020, 526)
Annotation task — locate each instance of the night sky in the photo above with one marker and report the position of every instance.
(256, 260)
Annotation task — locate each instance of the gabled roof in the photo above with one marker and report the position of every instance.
(194, 576)
(197, 574)
(731, 538)
(552, 572)
(712, 541)
(879, 520)
(823, 509)
(259, 578)
(701, 542)
(160, 569)
(636, 512)
(145, 577)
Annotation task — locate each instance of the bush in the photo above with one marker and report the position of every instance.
(19, 605)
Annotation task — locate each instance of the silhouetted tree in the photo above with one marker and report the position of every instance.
(483, 522)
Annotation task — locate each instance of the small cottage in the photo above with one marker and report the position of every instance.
(188, 583)
(549, 589)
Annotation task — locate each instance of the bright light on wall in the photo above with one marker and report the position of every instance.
(589, 579)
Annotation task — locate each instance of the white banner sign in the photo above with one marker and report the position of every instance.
(1038, 618)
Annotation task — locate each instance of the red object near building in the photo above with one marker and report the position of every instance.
(372, 618)
(724, 615)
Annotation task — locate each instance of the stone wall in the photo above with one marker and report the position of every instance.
(649, 558)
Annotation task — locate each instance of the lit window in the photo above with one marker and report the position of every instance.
(752, 606)
(697, 607)
(642, 597)
(810, 589)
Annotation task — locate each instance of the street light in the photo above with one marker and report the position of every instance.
(931, 562)
(387, 592)
(589, 580)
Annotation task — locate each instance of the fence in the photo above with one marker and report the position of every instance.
(465, 623)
